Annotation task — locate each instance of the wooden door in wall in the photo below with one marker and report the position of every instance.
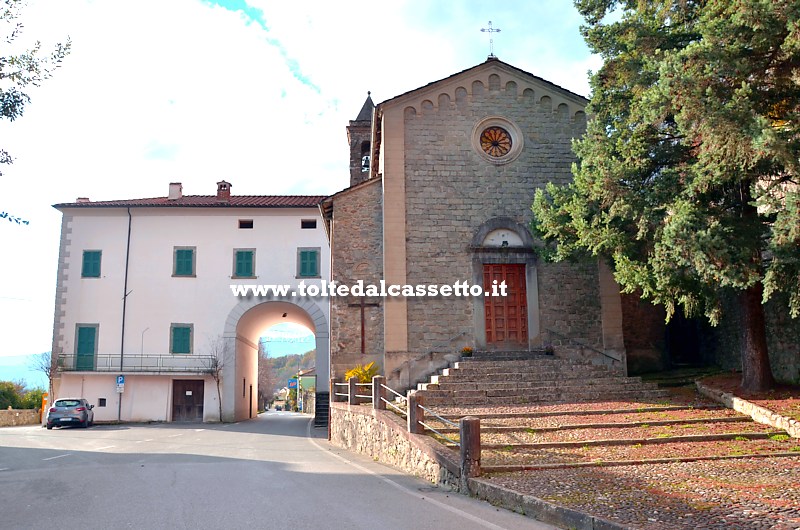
(506, 316)
(187, 400)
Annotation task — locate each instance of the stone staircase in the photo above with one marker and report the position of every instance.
(516, 378)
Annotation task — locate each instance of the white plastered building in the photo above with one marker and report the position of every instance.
(144, 292)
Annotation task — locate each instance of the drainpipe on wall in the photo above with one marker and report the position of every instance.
(124, 307)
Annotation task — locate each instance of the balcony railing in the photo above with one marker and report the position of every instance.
(136, 362)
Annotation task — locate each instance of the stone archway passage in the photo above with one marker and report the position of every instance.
(245, 323)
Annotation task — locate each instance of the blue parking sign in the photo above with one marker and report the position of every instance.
(120, 379)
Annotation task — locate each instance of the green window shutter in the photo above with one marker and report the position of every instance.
(86, 336)
(244, 263)
(91, 264)
(308, 263)
(184, 262)
(181, 339)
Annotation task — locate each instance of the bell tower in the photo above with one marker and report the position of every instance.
(359, 136)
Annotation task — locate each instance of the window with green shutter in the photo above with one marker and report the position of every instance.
(308, 263)
(244, 264)
(184, 262)
(91, 264)
(181, 340)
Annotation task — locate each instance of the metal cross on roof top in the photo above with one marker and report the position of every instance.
(490, 30)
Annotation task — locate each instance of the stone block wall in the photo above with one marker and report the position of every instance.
(569, 302)
(383, 436)
(783, 339)
(14, 417)
(356, 254)
(451, 191)
(644, 328)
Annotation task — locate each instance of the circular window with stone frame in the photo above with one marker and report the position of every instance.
(497, 140)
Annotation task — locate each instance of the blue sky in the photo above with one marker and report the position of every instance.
(256, 92)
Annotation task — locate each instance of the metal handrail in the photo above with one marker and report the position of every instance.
(401, 396)
(457, 444)
(446, 422)
(345, 394)
(392, 405)
(443, 420)
(443, 344)
(579, 343)
(395, 407)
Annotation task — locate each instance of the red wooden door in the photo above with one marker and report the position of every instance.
(506, 316)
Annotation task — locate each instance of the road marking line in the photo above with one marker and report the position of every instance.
(404, 489)
(174, 435)
(4, 468)
(54, 457)
(106, 447)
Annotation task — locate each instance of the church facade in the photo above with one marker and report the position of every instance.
(442, 181)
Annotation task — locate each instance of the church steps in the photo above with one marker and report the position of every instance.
(546, 387)
(521, 374)
(532, 380)
(550, 397)
(513, 383)
(527, 363)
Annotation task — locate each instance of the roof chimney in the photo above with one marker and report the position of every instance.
(224, 191)
(175, 191)
(82, 199)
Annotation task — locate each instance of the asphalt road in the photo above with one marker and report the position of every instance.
(271, 472)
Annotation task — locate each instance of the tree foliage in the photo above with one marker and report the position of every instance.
(22, 70)
(14, 394)
(687, 176)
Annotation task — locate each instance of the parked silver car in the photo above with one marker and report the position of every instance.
(70, 411)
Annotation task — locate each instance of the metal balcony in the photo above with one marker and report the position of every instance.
(137, 362)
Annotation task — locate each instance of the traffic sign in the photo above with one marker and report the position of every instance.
(120, 379)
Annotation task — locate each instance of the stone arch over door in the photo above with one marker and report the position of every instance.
(504, 241)
(242, 330)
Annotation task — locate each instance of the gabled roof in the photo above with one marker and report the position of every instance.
(205, 201)
(496, 62)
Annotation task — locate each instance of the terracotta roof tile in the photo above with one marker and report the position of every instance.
(206, 201)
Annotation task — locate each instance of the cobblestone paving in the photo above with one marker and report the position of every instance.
(748, 494)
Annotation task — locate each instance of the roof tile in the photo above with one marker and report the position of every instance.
(206, 201)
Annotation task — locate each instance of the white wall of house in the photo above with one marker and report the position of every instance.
(156, 299)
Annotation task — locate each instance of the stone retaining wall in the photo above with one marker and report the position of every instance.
(757, 412)
(383, 436)
(14, 417)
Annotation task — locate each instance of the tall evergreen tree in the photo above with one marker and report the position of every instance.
(687, 176)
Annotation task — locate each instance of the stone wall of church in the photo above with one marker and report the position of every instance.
(356, 255)
(569, 299)
(783, 338)
(644, 330)
(451, 191)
